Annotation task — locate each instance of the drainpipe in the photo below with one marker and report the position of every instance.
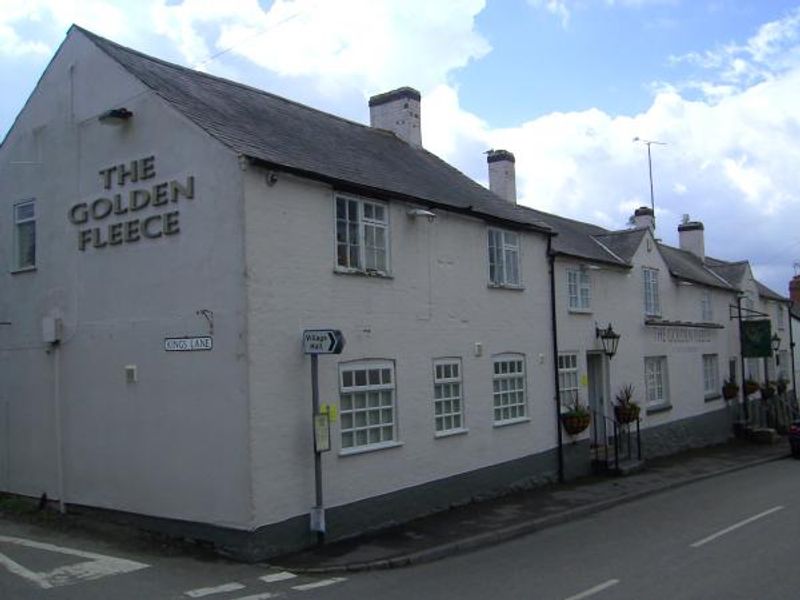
(791, 352)
(56, 349)
(741, 354)
(554, 327)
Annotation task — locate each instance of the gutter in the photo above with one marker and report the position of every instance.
(551, 259)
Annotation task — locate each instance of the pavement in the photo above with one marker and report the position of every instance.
(490, 522)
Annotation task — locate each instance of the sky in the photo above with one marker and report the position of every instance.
(566, 85)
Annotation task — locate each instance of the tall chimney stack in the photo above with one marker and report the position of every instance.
(398, 111)
(692, 238)
(502, 174)
(794, 289)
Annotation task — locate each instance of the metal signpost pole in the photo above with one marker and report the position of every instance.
(319, 508)
(741, 355)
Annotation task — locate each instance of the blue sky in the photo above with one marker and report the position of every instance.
(564, 84)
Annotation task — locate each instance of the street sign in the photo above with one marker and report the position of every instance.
(323, 341)
(188, 344)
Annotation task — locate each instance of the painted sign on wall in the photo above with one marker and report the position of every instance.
(682, 335)
(98, 220)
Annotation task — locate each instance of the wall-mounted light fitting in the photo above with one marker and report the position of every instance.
(609, 339)
(115, 116)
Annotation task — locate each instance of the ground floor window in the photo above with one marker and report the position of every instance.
(568, 379)
(711, 375)
(367, 404)
(448, 403)
(751, 370)
(655, 378)
(508, 383)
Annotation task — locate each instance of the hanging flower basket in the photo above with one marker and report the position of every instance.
(575, 422)
(730, 390)
(626, 413)
(751, 387)
(767, 392)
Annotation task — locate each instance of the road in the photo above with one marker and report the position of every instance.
(730, 537)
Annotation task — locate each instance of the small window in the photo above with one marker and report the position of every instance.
(652, 306)
(655, 378)
(367, 404)
(362, 235)
(706, 310)
(711, 375)
(25, 235)
(752, 369)
(568, 379)
(448, 402)
(732, 370)
(780, 316)
(504, 258)
(579, 289)
(508, 383)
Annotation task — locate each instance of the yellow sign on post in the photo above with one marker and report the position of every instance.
(322, 433)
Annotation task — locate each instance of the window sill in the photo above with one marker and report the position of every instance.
(360, 273)
(372, 448)
(23, 270)
(712, 397)
(658, 408)
(506, 286)
(511, 422)
(580, 311)
(450, 433)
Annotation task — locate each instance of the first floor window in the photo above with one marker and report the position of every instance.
(706, 310)
(367, 404)
(710, 375)
(652, 304)
(579, 289)
(508, 383)
(503, 257)
(568, 379)
(751, 370)
(362, 235)
(655, 378)
(448, 403)
(25, 235)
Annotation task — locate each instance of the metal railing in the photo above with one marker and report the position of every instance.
(776, 412)
(623, 438)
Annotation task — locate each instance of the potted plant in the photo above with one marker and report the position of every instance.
(730, 389)
(781, 385)
(576, 418)
(768, 390)
(751, 386)
(626, 410)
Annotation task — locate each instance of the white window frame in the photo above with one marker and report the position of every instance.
(780, 317)
(656, 381)
(706, 307)
(579, 290)
(505, 258)
(367, 406)
(19, 223)
(652, 304)
(568, 379)
(448, 397)
(711, 386)
(509, 389)
(365, 226)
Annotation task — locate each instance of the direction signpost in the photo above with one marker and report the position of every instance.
(316, 342)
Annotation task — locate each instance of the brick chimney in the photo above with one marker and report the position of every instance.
(692, 238)
(502, 174)
(644, 217)
(794, 289)
(398, 111)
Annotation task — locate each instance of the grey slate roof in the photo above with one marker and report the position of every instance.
(623, 243)
(310, 142)
(687, 266)
(732, 272)
(765, 292)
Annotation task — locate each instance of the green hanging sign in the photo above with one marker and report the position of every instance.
(756, 338)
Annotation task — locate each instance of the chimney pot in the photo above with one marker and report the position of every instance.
(644, 217)
(398, 111)
(502, 174)
(692, 238)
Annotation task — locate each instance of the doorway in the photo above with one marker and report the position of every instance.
(596, 385)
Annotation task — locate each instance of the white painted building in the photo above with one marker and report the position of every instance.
(170, 235)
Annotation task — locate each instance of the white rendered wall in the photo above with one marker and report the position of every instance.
(437, 304)
(174, 443)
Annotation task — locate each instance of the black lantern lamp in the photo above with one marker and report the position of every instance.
(776, 344)
(609, 338)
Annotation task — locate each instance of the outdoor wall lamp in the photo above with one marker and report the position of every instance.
(115, 116)
(609, 338)
(776, 345)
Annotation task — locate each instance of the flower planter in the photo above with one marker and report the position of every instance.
(751, 387)
(767, 392)
(575, 423)
(626, 414)
(729, 392)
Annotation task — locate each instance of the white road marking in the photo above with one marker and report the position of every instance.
(96, 567)
(594, 590)
(318, 584)
(208, 591)
(735, 526)
(282, 576)
(263, 596)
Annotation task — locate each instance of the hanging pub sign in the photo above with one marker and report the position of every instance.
(756, 338)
